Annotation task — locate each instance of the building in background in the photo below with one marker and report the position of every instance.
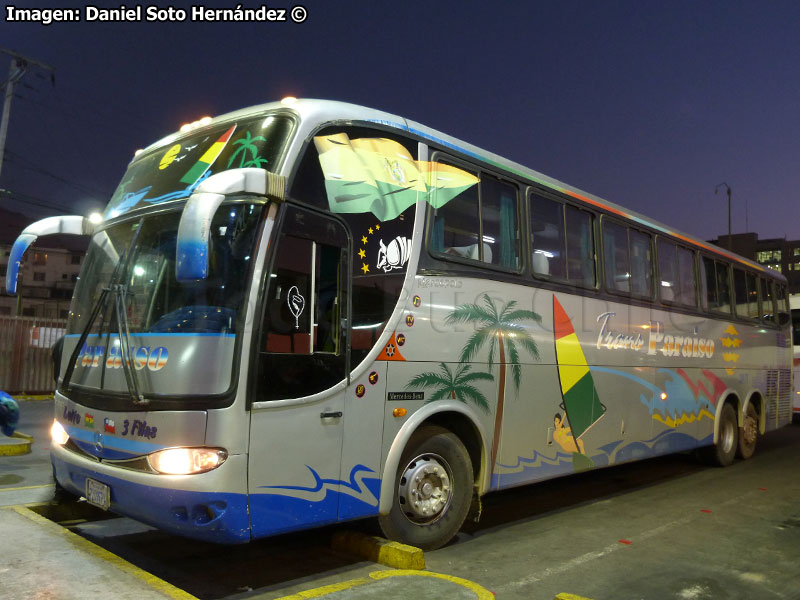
(49, 271)
(779, 254)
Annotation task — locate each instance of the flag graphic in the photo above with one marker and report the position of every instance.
(108, 425)
(208, 158)
(581, 402)
(378, 175)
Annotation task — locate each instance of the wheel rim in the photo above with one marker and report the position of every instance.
(425, 489)
(727, 436)
(750, 430)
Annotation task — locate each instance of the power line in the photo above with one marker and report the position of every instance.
(36, 201)
(31, 166)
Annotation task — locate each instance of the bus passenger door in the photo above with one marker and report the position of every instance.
(298, 403)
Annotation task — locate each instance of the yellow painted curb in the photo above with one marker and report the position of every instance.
(379, 550)
(26, 397)
(85, 545)
(481, 593)
(19, 444)
(566, 596)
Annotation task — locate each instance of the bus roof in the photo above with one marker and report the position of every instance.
(313, 113)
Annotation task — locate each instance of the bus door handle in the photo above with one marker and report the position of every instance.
(330, 415)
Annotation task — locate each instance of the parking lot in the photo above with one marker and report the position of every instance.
(664, 528)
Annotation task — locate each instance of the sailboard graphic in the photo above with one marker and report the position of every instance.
(204, 162)
(581, 402)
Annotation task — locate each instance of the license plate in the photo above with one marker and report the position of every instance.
(98, 494)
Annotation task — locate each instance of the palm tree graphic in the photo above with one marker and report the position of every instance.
(247, 144)
(457, 386)
(501, 331)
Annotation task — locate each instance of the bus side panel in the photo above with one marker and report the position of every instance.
(361, 446)
(294, 464)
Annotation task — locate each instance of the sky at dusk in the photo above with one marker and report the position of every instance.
(647, 104)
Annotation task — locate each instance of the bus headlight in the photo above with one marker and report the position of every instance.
(58, 434)
(186, 461)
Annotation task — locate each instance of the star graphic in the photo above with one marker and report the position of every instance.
(370, 231)
(361, 253)
(378, 227)
(365, 268)
(364, 240)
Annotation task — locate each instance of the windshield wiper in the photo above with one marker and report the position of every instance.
(121, 310)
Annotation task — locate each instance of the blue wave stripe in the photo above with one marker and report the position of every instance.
(135, 447)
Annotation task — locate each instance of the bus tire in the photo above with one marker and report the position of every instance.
(432, 492)
(723, 452)
(748, 433)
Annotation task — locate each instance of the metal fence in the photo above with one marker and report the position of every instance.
(26, 366)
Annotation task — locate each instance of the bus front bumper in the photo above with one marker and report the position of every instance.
(185, 505)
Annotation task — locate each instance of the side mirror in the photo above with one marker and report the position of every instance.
(191, 252)
(73, 225)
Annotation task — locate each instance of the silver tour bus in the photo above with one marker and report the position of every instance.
(310, 312)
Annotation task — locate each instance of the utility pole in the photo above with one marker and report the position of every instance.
(730, 241)
(19, 66)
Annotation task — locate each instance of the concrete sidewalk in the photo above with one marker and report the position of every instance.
(44, 559)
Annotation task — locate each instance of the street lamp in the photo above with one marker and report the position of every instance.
(716, 189)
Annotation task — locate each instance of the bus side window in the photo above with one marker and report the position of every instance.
(499, 223)
(716, 278)
(723, 287)
(767, 301)
(288, 301)
(549, 246)
(615, 255)
(456, 227)
(687, 292)
(784, 315)
(667, 270)
(301, 349)
(746, 293)
(580, 247)
(641, 264)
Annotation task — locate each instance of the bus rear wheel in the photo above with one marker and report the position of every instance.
(433, 490)
(748, 433)
(723, 452)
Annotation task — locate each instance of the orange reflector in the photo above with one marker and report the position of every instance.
(399, 412)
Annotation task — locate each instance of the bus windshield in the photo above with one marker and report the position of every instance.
(174, 170)
(180, 335)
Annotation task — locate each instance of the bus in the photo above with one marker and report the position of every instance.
(310, 312)
(794, 305)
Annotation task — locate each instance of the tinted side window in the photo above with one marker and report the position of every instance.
(547, 232)
(615, 255)
(456, 226)
(767, 301)
(709, 280)
(746, 293)
(687, 292)
(580, 247)
(783, 303)
(301, 347)
(641, 264)
(667, 270)
(563, 241)
(723, 287)
(500, 228)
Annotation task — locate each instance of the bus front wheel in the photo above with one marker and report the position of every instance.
(433, 490)
(748, 433)
(724, 451)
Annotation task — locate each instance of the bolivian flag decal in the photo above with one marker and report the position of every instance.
(581, 403)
